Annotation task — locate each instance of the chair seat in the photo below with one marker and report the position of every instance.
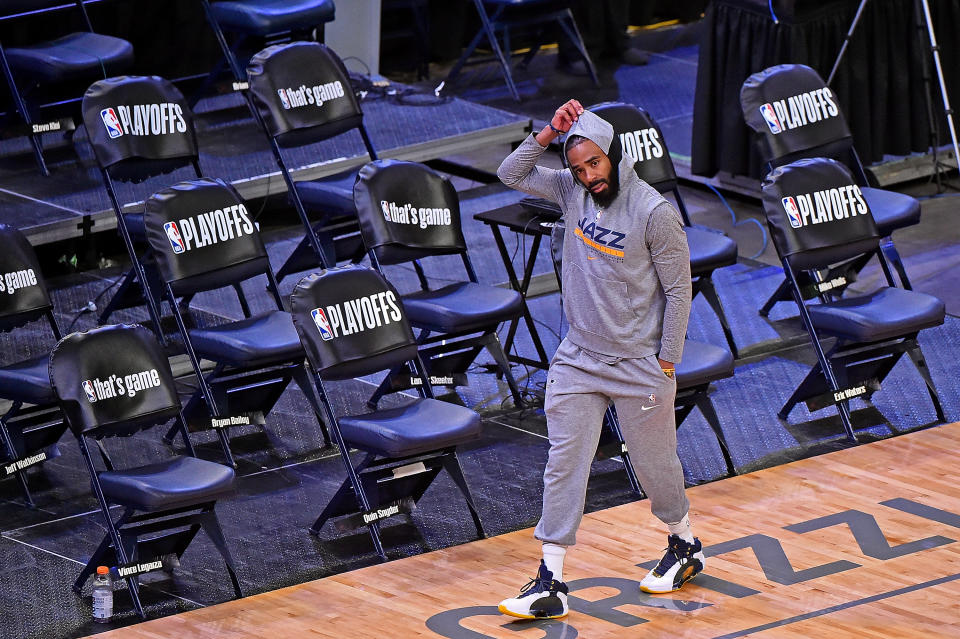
(709, 250)
(72, 57)
(703, 363)
(258, 340)
(28, 381)
(423, 426)
(172, 483)
(464, 306)
(332, 195)
(886, 313)
(263, 17)
(891, 210)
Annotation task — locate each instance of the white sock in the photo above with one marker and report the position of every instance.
(553, 555)
(682, 529)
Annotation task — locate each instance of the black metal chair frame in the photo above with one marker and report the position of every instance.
(36, 427)
(834, 367)
(217, 386)
(499, 20)
(459, 342)
(230, 52)
(19, 97)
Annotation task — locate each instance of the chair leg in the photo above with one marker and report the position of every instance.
(890, 253)
(492, 343)
(332, 506)
(709, 291)
(710, 414)
(495, 46)
(613, 423)
(782, 294)
(452, 464)
(12, 454)
(113, 305)
(211, 525)
(303, 381)
(916, 356)
(574, 34)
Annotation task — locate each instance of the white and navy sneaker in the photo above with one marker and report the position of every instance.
(681, 563)
(541, 598)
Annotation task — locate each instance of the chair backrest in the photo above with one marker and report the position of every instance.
(407, 211)
(23, 293)
(139, 126)
(203, 236)
(795, 114)
(303, 92)
(817, 214)
(641, 139)
(351, 322)
(113, 380)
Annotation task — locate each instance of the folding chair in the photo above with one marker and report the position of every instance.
(701, 365)
(818, 216)
(139, 127)
(794, 115)
(641, 139)
(203, 238)
(115, 381)
(273, 21)
(300, 94)
(352, 323)
(29, 435)
(78, 56)
(503, 15)
(408, 213)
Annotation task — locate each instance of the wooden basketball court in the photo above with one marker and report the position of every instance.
(863, 542)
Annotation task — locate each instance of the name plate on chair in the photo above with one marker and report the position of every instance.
(139, 568)
(63, 125)
(403, 382)
(243, 419)
(352, 522)
(25, 462)
(833, 285)
(844, 394)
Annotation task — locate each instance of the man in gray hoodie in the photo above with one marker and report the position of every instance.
(626, 294)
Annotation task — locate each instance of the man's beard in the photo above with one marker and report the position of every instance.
(605, 198)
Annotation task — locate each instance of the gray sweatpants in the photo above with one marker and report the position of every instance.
(579, 386)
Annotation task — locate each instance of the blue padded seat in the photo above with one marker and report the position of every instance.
(709, 250)
(28, 381)
(71, 57)
(332, 194)
(703, 363)
(263, 17)
(463, 306)
(891, 210)
(882, 314)
(262, 339)
(172, 483)
(423, 426)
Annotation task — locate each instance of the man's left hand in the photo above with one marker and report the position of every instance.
(669, 368)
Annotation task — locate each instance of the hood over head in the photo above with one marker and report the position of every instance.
(591, 126)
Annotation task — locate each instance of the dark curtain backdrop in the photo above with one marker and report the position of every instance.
(879, 85)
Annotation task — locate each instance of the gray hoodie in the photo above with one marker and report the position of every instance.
(626, 268)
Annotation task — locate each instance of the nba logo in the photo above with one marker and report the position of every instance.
(320, 319)
(173, 234)
(112, 122)
(770, 116)
(793, 213)
(283, 98)
(88, 389)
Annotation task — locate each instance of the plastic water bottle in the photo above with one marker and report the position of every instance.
(102, 595)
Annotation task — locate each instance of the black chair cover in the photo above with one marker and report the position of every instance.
(200, 228)
(642, 140)
(23, 293)
(139, 126)
(817, 214)
(351, 322)
(112, 380)
(407, 211)
(303, 92)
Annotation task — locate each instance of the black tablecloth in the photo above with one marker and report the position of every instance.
(879, 84)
